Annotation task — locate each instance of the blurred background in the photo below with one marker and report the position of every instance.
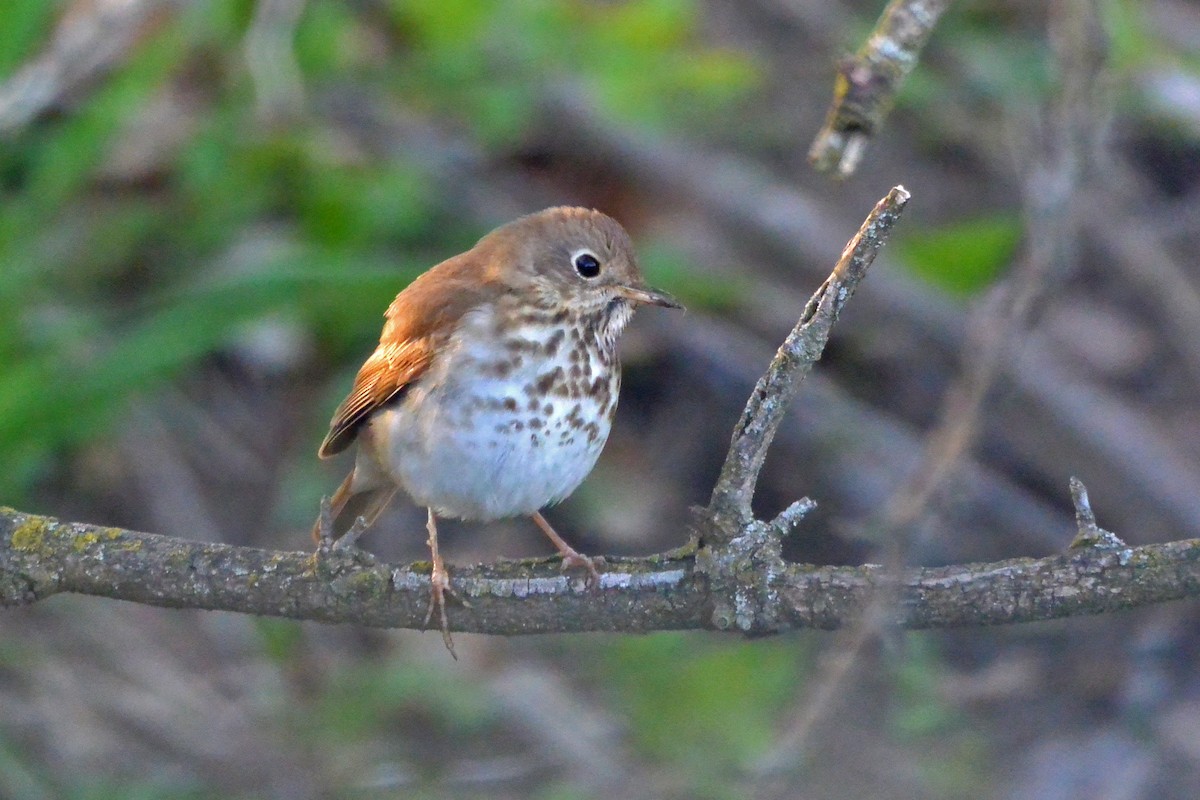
(205, 208)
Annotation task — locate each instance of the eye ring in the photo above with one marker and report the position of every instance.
(586, 263)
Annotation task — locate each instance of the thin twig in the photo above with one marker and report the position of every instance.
(867, 82)
(1088, 533)
(1054, 183)
(803, 347)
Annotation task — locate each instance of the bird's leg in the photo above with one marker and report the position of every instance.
(570, 556)
(439, 580)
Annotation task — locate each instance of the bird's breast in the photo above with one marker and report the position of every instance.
(510, 417)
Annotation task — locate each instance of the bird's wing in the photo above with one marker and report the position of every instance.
(390, 368)
(420, 320)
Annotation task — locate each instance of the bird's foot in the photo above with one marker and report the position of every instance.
(439, 580)
(570, 556)
(573, 558)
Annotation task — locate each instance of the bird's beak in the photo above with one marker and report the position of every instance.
(648, 296)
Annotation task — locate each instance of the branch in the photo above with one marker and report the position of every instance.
(867, 82)
(732, 577)
(795, 358)
(41, 556)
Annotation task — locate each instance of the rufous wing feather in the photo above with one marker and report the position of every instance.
(420, 320)
(393, 366)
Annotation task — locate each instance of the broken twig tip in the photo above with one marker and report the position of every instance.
(1084, 516)
(791, 516)
(1088, 533)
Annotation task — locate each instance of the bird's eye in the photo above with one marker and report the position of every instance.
(586, 264)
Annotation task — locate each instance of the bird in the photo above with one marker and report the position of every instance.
(493, 387)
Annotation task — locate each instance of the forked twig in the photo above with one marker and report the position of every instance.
(803, 347)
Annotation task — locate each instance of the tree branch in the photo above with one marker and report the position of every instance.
(867, 82)
(795, 358)
(41, 556)
(731, 577)
(88, 42)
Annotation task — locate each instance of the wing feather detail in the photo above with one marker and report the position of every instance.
(391, 368)
(419, 321)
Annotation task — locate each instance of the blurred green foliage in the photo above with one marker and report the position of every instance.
(712, 707)
(991, 58)
(112, 284)
(957, 757)
(962, 258)
(23, 27)
(1130, 36)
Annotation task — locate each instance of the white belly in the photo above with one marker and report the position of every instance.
(480, 445)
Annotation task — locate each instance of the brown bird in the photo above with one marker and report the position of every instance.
(494, 385)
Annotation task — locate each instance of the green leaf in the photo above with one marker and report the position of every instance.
(962, 258)
(281, 638)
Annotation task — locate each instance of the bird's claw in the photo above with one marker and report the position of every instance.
(577, 559)
(439, 580)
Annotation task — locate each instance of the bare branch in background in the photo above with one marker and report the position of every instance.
(867, 82)
(91, 39)
(271, 59)
(1054, 184)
